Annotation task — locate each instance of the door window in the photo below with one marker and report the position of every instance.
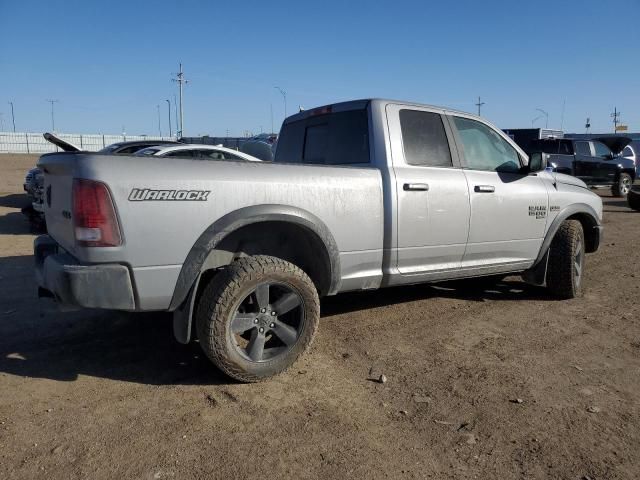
(180, 154)
(217, 155)
(484, 149)
(424, 139)
(582, 148)
(601, 149)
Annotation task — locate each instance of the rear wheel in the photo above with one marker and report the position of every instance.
(257, 316)
(622, 187)
(566, 260)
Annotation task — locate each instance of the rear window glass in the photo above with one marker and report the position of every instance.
(424, 139)
(340, 138)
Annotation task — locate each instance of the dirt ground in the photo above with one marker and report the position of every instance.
(494, 383)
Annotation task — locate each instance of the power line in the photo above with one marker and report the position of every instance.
(181, 81)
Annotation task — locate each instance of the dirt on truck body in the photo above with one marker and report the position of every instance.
(481, 382)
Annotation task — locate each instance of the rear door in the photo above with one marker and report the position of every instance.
(433, 200)
(508, 208)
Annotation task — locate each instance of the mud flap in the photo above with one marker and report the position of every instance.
(537, 274)
(183, 316)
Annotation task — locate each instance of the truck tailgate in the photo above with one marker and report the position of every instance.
(59, 170)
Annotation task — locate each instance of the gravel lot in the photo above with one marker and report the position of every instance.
(497, 383)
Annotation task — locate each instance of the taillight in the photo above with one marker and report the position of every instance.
(94, 217)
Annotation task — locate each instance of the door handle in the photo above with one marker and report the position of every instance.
(484, 188)
(418, 187)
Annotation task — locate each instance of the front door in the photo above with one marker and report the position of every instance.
(585, 164)
(432, 195)
(607, 167)
(508, 208)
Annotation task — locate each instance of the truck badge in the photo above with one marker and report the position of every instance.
(145, 194)
(538, 211)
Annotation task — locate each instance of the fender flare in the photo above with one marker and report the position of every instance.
(229, 223)
(555, 225)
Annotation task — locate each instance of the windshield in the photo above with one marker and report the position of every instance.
(110, 148)
(148, 151)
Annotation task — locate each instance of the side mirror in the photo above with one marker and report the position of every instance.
(538, 162)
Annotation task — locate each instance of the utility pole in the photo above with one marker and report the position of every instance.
(479, 105)
(271, 105)
(546, 116)
(284, 97)
(180, 80)
(175, 111)
(159, 129)
(13, 117)
(587, 125)
(616, 119)
(1, 122)
(169, 111)
(53, 118)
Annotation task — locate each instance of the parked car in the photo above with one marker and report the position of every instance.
(201, 152)
(596, 162)
(33, 183)
(261, 146)
(128, 148)
(362, 195)
(632, 152)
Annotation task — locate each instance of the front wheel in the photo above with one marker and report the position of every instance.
(622, 187)
(566, 260)
(257, 316)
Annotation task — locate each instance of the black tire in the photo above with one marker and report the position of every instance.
(564, 276)
(226, 307)
(622, 187)
(634, 199)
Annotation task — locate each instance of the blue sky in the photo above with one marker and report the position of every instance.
(110, 63)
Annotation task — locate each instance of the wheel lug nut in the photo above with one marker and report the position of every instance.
(261, 330)
(262, 310)
(273, 314)
(255, 320)
(272, 325)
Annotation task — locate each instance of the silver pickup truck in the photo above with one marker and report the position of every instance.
(361, 195)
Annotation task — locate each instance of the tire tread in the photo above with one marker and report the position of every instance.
(560, 279)
(219, 296)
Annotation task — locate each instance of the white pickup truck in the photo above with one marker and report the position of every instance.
(361, 195)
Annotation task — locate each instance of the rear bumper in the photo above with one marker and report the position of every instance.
(71, 283)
